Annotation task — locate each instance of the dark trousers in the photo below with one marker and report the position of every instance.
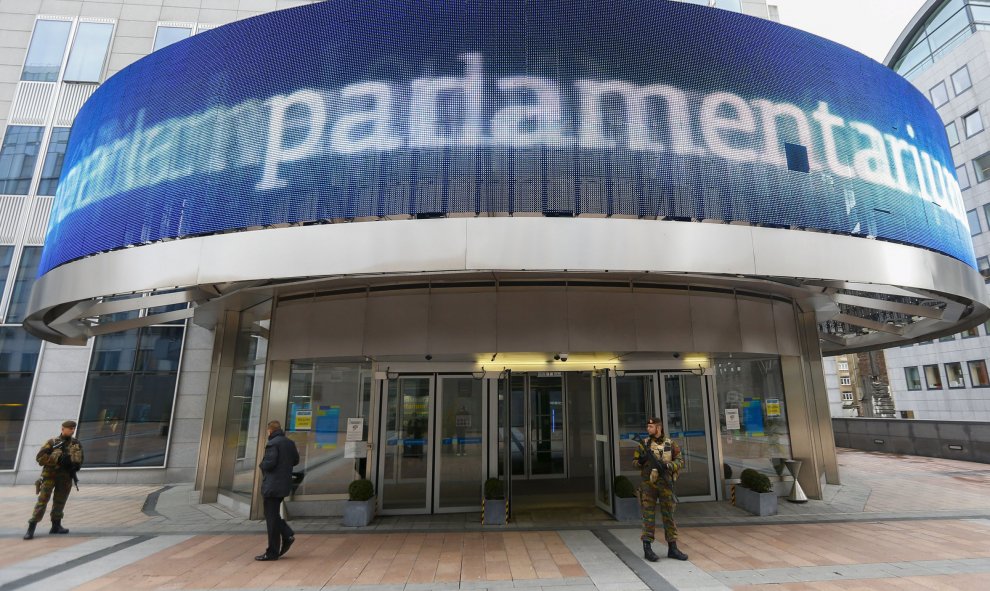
(278, 529)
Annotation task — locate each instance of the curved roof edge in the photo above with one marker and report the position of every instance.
(897, 49)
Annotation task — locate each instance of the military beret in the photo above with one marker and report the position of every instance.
(70, 424)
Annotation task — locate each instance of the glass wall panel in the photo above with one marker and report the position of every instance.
(54, 158)
(912, 378)
(18, 360)
(635, 404)
(89, 52)
(18, 156)
(752, 390)
(240, 455)
(27, 269)
(6, 256)
(322, 396)
(460, 422)
(44, 57)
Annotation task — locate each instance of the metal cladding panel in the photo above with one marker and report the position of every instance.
(631, 108)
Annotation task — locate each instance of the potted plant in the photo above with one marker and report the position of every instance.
(755, 493)
(359, 509)
(494, 506)
(626, 502)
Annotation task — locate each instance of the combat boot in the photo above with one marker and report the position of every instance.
(673, 552)
(57, 527)
(30, 532)
(648, 552)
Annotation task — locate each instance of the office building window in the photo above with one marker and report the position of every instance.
(18, 156)
(952, 133)
(951, 337)
(971, 333)
(6, 257)
(843, 366)
(940, 94)
(845, 381)
(167, 35)
(982, 167)
(44, 56)
(974, 222)
(978, 376)
(89, 52)
(18, 360)
(127, 406)
(933, 378)
(983, 264)
(913, 378)
(986, 213)
(963, 175)
(847, 396)
(973, 123)
(54, 158)
(954, 375)
(907, 414)
(23, 281)
(961, 81)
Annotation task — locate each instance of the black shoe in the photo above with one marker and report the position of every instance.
(57, 527)
(286, 544)
(265, 557)
(648, 552)
(30, 532)
(673, 552)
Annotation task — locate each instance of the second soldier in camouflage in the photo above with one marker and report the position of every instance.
(60, 458)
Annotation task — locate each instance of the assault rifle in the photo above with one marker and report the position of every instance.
(66, 462)
(654, 462)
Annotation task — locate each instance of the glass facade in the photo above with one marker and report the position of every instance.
(322, 396)
(18, 360)
(89, 52)
(166, 36)
(951, 24)
(240, 454)
(44, 56)
(130, 391)
(54, 158)
(752, 391)
(26, 272)
(18, 157)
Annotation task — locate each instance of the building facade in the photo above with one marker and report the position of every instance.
(945, 53)
(442, 258)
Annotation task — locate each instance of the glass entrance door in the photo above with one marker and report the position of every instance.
(460, 444)
(405, 469)
(536, 434)
(635, 399)
(685, 414)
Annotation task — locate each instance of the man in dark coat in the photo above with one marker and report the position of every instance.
(276, 484)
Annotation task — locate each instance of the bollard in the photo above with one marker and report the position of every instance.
(732, 495)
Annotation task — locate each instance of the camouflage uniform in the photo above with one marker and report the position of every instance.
(657, 489)
(58, 466)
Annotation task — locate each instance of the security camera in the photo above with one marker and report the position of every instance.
(677, 355)
(429, 357)
(563, 356)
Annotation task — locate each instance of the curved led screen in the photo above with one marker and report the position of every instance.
(366, 109)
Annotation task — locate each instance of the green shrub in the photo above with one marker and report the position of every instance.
(623, 487)
(360, 490)
(755, 481)
(494, 489)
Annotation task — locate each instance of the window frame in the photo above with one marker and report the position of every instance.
(938, 374)
(978, 170)
(963, 184)
(916, 379)
(962, 376)
(65, 48)
(973, 215)
(954, 136)
(969, 368)
(931, 94)
(845, 381)
(74, 38)
(966, 118)
(969, 80)
(191, 27)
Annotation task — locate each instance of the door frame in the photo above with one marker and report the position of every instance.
(437, 459)
(614, 405)
(708, 420)
(601, 410)
(428, 495)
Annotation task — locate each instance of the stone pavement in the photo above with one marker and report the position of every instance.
(896, 522)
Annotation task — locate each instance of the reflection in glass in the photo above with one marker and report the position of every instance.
(687, 424)
(18, 360)
(44, 57)
(634, 406)
(546, 426)
(6, 256)
(18, 156)
(405, 462)
(27, 269)
(753, 390)
(89, 52)
(322, 396)
(54, 158)
(239, 464)
(461, 444)
(169, 35)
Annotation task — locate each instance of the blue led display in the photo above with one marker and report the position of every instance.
(368, 109)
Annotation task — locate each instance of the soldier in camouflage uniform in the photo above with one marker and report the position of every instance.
(60, 458)
(659, 470)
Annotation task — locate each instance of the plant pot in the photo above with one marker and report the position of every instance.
(495, 512)
(627, 509)
(756, 503)
(358, 513)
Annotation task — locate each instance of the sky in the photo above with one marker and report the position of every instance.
(868, 26)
